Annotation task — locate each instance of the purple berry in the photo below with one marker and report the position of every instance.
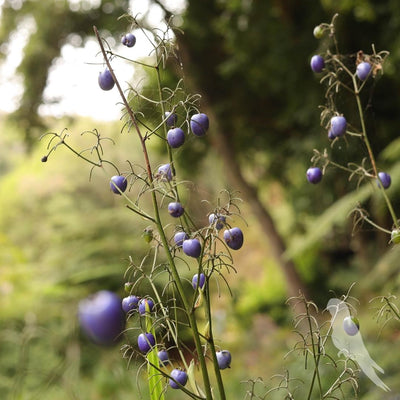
(106, 81)
(163, 357)
(234, 238)
(314, 175)
(317, 63)
(363, 70)
(199, 124)
(130, 303)
(128, 40)
(179, 237)
(178, 376)
(101, 317)
(170, 119)
(146, 342)
(218, 220)
(145, 304)
(175, 209)
(118, 184)
(175, 137)
(338, 125)
(224, 359)
(385, 179)
(351, 325)
(195, 280)
(191, 247)
(165, 172)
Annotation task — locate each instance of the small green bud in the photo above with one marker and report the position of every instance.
(318, 32)
(148, 235)
(395, 237)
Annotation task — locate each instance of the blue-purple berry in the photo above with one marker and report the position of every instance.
(146, 341)
(165, 172)
(179, 238)
(101, 317)
(314, 175)
(338, 125)
(118, 184)
(385, 179)
(363, 70)
(178, 376)
(196, 279)
(351, 325)
(175, 137)
(234, 238)
(317, 63)
(163, 357)
(105, 79)
(217, 219)
(145, 305)
(192, 247)
(130, 303)
(175, 209)
(128, 40)
(224, 359)
(199, 124)
(170, 119)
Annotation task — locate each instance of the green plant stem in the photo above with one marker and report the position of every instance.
(316, 358)
(370, 152)
(210, 339)
(157, 218)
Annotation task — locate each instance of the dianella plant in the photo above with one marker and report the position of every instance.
(161, 305)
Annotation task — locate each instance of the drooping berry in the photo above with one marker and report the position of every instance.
(218, 220)
(224, 359)
(179, 237)
(170, 119)
(146, 341)
(175, 209)
(128, 40)
(130, 303)
(338, 125)
(314, 175)
(101, 317)
(118, 184)
(178, 376)
(317, 63)
(145, 305)
(363, 70)
(385, 179)
(106, 81)
(165, 172)
(195, 281)
(163, 357)
(175, 137)
(351, 325)
(234, 238)
(192, 247)
(199, 124)
(318, 32)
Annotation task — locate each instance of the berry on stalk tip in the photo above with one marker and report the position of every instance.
(314, 175)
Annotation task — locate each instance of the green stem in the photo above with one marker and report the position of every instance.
(316, 358)
(210, 339)
(370, 152)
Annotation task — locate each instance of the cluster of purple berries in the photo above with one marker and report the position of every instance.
(338, 123)
(103, 315)
(199, 124)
